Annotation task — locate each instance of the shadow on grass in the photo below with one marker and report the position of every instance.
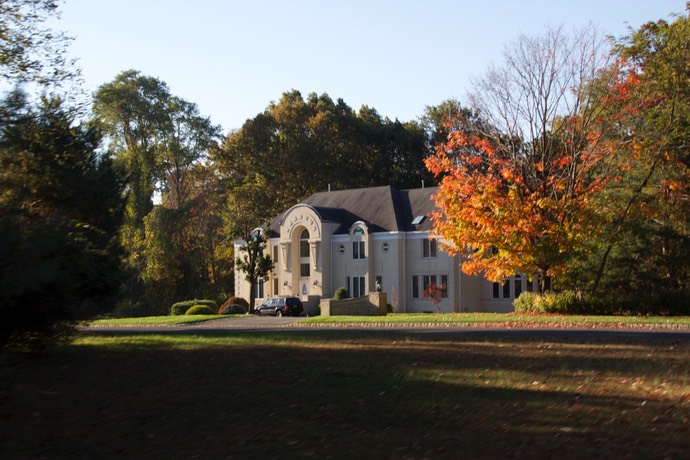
(348, 395)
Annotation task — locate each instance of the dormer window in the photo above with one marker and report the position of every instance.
(358, 231)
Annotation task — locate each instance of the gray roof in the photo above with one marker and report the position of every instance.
(382, 209)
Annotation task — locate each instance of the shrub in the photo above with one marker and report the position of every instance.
(200, 310)
(527, 303)
(180, 308)
(564, 303)
(234, 309)
(238, 301)
(341, 293)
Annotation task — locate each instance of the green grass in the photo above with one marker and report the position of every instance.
(422, 319)
(154, 320)
(499, 319)
(346, 394)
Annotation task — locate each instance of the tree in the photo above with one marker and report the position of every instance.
(643, 261)
(60, 211)
(253, 263)
(299, 146)
(29, 51)
(520, 169)
(437, 121)
(160, 140)
(435, 292)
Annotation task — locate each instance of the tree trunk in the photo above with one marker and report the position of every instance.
(600, 272)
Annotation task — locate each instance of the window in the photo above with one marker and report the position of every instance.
(275, 255)
(502, 290)
(304, 268)
(427, 280)
(358, 231)
(358, 250)
(429, 248)
(259, 289)
(518, 286)
(358, 288)
(275, 286)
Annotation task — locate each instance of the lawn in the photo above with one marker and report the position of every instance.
(503, 319)
(438, 320)
(154, 320)
(346, 394)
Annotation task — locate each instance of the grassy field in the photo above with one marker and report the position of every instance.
(453, 319)
(346, 394)
(506, 319)
(154, 320)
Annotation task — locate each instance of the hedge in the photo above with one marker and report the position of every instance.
(180, 308)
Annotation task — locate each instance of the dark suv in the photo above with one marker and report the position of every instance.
(280, 306)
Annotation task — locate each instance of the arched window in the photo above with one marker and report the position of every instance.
(304, 268)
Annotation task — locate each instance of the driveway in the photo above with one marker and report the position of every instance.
(245, 322)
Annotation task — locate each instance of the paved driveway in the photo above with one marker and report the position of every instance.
(246, 322)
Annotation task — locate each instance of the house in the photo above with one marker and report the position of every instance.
(364, 238)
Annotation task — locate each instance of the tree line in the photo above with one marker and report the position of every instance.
(569, 163)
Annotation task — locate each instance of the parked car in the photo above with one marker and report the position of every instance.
(280, 306)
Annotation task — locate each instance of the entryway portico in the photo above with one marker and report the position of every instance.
(300, 265)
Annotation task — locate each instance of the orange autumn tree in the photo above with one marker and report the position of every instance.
(519, 179)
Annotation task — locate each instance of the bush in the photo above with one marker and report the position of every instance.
(180, 308)
(234, 309)
(566, 303)
(527, 303)
(341, 293)
(200, 310)
(234, 301)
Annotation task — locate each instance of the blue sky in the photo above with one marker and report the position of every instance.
(232, 58)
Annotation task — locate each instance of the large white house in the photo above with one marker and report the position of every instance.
(362, 239)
